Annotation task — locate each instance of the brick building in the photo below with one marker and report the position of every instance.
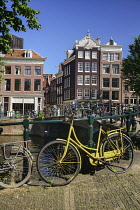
(22, 87)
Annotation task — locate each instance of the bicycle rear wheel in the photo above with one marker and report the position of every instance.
(122, 162)
(54, 172)
(15, 170)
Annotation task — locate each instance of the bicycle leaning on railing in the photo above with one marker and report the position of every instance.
(15, 164)
(59, 161)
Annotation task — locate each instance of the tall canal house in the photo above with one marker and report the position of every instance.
(91, 73)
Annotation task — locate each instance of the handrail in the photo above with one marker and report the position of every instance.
(129, 118)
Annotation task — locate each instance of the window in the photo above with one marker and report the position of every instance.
(115, 82)
(7, 86)
(17, 84)
(80, 66)
(94, 93)
(105, 95)
(80, 79)
(87, 66)
(106, 68)
(80, 93)
(17, 70)
(87, 54)
(115, 69)
(126, 100)
(37, 70)
(37, 85)
(27, 84)
(27, 70)
(80, 54)
(94, 55)
(133, 101)
(69, 82)
(94, 66)
(111, 56)
(7, 69)
(115, 95)
(106, 82)
(105, 56)
(69, 69)
(116, 56)
(94, 80)
(28, 54)
(87, 79)
(87, 93)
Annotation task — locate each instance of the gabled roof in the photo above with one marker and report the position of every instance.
(87, 42)
(20, 53)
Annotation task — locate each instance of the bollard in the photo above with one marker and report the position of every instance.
(128, 122)
(26, 130)
(90, 131)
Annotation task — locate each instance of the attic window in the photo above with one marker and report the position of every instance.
(28, 54)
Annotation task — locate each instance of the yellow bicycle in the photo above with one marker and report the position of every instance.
(60, 161)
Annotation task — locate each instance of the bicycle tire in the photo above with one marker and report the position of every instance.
(51, 170)
(16, 169)
(119, 164)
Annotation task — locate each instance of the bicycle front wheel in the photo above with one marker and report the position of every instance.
(15, 170)
(119, 153)
(54, 172)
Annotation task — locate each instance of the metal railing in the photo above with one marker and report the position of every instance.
(130, 121)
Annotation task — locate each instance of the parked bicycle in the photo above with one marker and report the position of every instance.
(59, 161)
(15, 164)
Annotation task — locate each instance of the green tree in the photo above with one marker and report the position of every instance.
(131, 67)
(19, 17)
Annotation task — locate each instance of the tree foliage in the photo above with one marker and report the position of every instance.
(131, 67)
(19, 17)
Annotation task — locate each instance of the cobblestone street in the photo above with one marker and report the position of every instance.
(102, 190)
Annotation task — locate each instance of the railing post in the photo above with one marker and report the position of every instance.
(26, 129)
(128, 123)
(90, 131)
(111, 114)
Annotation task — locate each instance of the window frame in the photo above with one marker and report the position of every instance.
(106, 81)
(7, 84)
(36, 70)
(17, 84)
(94, 80)
(80, 66)
(105, 69)
(87, 55)
(115, 82)
(87, 66)
(29, 88)
(94, 54)
(87, 80)
(28, 69)
(80, 54)
(79, 79)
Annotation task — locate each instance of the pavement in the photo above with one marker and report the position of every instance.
(103, 190)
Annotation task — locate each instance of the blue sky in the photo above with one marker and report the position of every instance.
(65, 21)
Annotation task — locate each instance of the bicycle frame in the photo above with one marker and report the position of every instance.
(95, 156)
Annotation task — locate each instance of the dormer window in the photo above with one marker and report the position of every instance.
(28, 54)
